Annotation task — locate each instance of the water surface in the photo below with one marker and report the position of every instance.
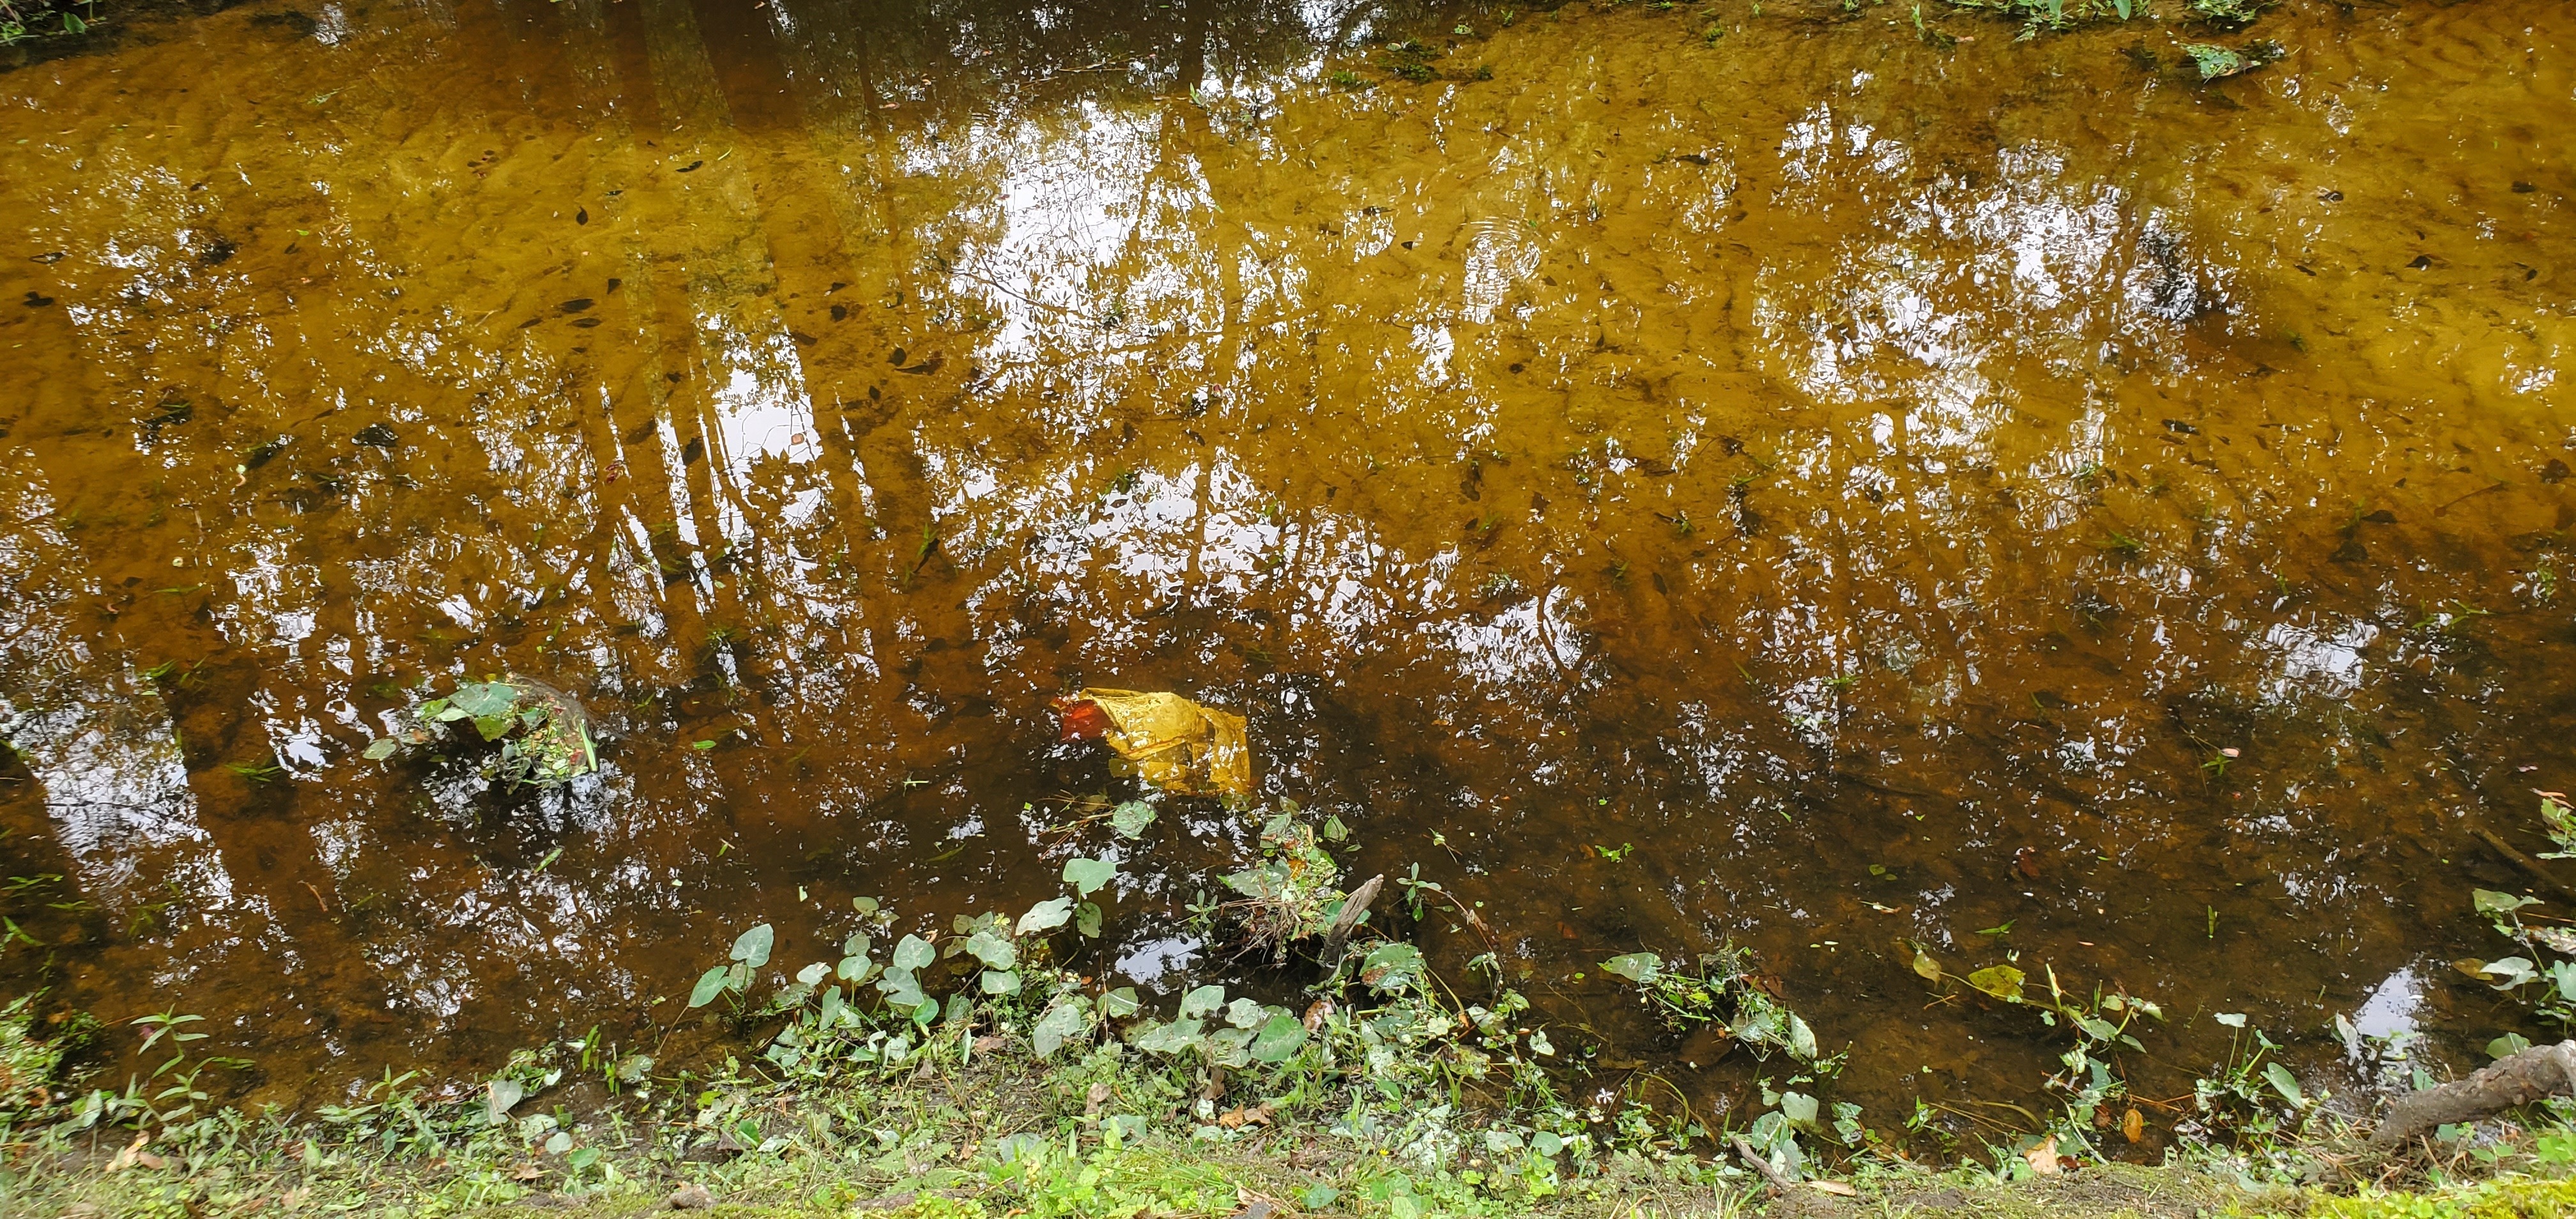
(1901, 491)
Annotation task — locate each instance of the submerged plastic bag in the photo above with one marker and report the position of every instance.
(1176, 744)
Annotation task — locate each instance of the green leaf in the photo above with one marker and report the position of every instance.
(1045, 916)
(1799, 1108)
(1121, 1003)
(1170, 1038)
(2489, 901)
(1068, 1019)
(481, 699)
(2286, 1084)
(752, 947)
(1001, 982)
(913, 952)
(2001, 981)
(994, 951)
(381, 748)
(855, 969)
(1087, 875)
(494, 727)
(1086, 919)
(1802, 1040)
(710, 984)
(1243, 1013)
(1637, 967)
(1280, 1039)
(812, 975)
(1391, 966)
(1131, 818)
(1202, 1001)
(1924, 966)
(2508, 1045)
(1334, 830)
(498, 1096)
(901, 989)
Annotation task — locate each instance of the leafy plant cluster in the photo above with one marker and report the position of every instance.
(1721, 990)
(2052, 16)
(1292, 892)
(543, 736)
(2543, 975)
(21, 20)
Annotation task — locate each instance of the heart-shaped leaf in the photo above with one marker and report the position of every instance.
(2001, 981)
(1202, 1001)
(993, 950)
(752, 947)
(1046, 916)
(1087, 875)
(1280, 1039)
(498, 1096)
(1637, 967)
(913, 952)
(1068, 1019)
(1131, 818)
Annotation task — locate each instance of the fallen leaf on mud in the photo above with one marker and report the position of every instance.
(2043, 1158)
(1836, 1188)
(2134, 1126)
(527, 1172)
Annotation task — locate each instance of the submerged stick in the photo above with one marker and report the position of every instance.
(1759, 1163)
(2542, 1070)
(2522, 861)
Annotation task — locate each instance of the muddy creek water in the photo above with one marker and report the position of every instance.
(1809, 487)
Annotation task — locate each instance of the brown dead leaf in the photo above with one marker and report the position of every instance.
(1836, 1188)
(2134, 1126)
(988, 1044)
(1097, 1099)
(1257, 1115)
(2043, 1158)
(526, 1172)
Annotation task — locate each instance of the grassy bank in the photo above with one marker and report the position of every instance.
(968, 1073)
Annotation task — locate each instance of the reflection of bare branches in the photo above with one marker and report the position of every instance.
(131, 808)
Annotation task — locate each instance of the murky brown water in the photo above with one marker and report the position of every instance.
(1875, 481)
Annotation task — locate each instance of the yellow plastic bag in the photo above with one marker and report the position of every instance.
(1176, 744)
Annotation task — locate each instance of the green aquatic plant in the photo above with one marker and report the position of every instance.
(2216, 62)
(2229, 14)
(542, 735)
(1292, 893)
(1717, 990)
(2037, 16)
